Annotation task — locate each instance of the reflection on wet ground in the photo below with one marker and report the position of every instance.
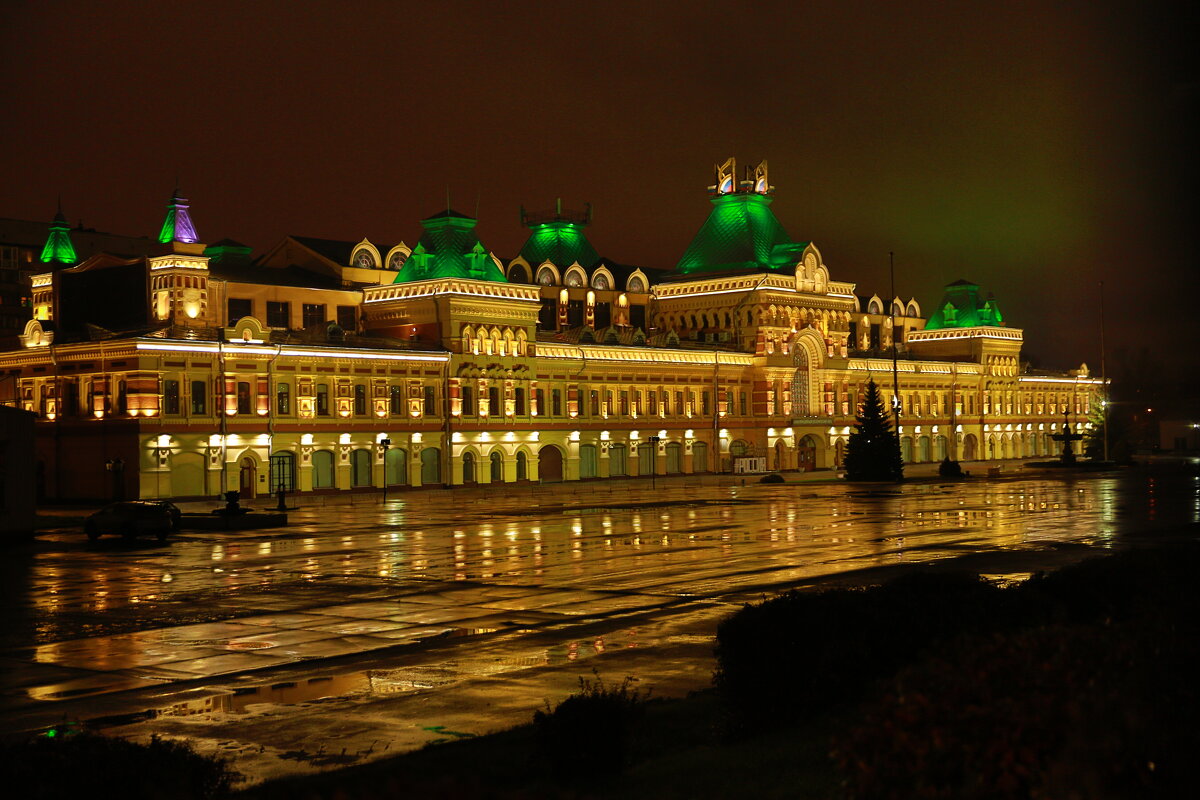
(441, 593)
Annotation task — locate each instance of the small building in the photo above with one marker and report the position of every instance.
(17, 474)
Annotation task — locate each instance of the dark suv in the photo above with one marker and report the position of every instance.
(133, 518)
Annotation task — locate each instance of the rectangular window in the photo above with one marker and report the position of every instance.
(679, 404)
(322, 399)
(548, 314)
(594, 403)
(494, 401)
(602, 314)
(278, 314)
(71, 398)
(240, 307)
(430, 404)
(539, 396)
(395, 400)
(691, 409)
(556, 402)
(637, 317)
(652, 402)
(243, 397)
(624, 404)
(574, 313)
(283, 399)
(347, 318)
(312, 314)
(742, 403)
(519, 401)
(360, 400)
(637, 402)
(608, 403)
(705, 404)
(199, 397)
(170, 397)
(468, 401)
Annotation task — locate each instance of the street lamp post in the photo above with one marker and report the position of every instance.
(654, 440)
(384, 444)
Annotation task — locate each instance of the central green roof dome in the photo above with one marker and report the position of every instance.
(558, 237)
(449, 248)
(741, 234)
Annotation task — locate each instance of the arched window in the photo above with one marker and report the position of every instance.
(431, 466)
(546, 276)
(587, 461)
(496, 468)
(397, 260)
(363, 259)
(322, 462)
(283, 471)
(600, 281)
(574, 278)
(395, 467)
(468, 467)
(360, 468)
(637, 285)
(617, 461)
(522, 466)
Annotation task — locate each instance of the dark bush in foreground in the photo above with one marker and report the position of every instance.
(773, 477)
(950, 469)
(802, 652)
(589, 734)
(90, 766)
(1095, 711)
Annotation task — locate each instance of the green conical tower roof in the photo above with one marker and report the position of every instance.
(177, 226)
(558, 238)
(741, 234)
(58, 243)
(449, 248)
(962, 308)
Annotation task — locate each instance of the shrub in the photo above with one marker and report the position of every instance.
(773, 477)
(950, 469)
(1093, 710)
(89, 765)
(804, 652)
(590, 733)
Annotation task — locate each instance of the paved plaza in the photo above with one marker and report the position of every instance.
(373, 628)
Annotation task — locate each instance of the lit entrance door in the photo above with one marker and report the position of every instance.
(246, 483)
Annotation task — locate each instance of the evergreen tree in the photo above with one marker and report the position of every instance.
(873, 452)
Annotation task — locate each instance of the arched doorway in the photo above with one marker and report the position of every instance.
(618, 459)
(839, 452)
(646, 457)
(468, 467)
(246, 478)
(395, 467)
(970, 444)
(779, 455)
(939, 448)
(496, 468)
(923, 452)
(806, 454)
(431, 466)
(522, 466)
(700, 457)
(588, 462)
(322, 462)
(906, 449)
(674, 458)
(550, 464)
(360, 468)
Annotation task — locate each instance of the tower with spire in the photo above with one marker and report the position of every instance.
(179, 271)
(59, 250)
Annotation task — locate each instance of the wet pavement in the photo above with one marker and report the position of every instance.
(363, 629)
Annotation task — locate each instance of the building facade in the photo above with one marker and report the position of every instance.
(330, 366)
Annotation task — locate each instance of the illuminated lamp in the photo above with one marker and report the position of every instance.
(306, 438)
(634, 435)
(416, 437)
(344, 439)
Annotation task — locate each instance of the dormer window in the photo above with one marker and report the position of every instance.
(363, 259)
(600, 281)
(546, 277)
(574, 279)
(636, 285)
(396, 261)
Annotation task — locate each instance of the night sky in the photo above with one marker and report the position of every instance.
(1034, 151)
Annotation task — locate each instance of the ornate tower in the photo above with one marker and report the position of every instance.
(179, 273)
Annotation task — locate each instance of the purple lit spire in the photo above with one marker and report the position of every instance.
(177, 227)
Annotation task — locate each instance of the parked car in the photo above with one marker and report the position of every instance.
(133, 518)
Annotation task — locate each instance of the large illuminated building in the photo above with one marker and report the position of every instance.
(338, 366)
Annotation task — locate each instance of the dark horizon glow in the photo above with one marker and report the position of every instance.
(1034, 151)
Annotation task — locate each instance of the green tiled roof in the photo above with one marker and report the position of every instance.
(741, 233)
(449, 248)
(560, 243)
(963, 308)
